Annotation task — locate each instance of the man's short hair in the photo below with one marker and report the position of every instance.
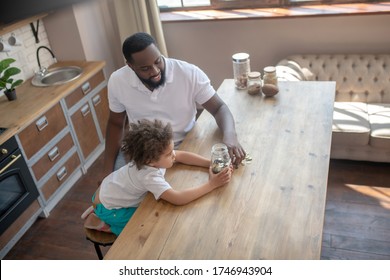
(136, 43)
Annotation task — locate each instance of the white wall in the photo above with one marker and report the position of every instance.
(25, 53)
(86, 31)
(210, 44)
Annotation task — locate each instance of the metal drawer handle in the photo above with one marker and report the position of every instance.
(85, 110)
(42, 123)
(62, 173)
(54, 153)
(86, 88)
(96, 100)
(14, 158)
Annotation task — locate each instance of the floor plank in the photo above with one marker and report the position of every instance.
(340, 254)
(360, 245)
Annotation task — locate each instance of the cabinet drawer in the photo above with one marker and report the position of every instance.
(60, 176)
(42, 130)
(85, 129)
(55, 153)
(86, 88)
(100, 103)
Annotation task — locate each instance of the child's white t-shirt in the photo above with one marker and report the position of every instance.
(175, 102)
(127, 186)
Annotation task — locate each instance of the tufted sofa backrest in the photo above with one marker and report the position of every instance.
(359, 77)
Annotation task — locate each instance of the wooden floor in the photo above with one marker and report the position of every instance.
(357, 218)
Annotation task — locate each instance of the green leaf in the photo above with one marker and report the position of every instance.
(11, 71)
(5, 63)
(16, 83)
(6, 72)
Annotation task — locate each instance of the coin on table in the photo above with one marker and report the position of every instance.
(247, 159)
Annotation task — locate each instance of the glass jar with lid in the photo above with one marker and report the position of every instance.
(220, 157)
(254, 83)
(270, 76)
(241, 68)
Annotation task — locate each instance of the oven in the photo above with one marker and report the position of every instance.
(17, 187)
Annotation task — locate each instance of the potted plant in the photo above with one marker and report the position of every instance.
(7, 83)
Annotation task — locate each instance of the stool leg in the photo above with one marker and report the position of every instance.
(98, 251)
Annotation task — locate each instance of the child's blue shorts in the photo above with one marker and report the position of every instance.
(116, 218)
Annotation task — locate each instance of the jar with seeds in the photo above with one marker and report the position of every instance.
(241, 68)
(254, 83)
(270, 76)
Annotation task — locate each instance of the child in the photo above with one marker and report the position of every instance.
(148, 146)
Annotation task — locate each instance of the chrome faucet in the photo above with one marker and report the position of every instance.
(42, 70)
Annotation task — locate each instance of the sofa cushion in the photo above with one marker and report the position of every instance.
(289, 70)
(379, 118)
(359, 77)
(285, 73)
(350, 124)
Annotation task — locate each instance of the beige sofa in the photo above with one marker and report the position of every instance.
(361, 119)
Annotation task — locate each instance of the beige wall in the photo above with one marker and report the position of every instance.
(25, 53)
(210, 44)
(88, 31)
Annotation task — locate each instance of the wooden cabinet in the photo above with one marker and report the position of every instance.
(100, 104)
(42, 130)
(51, 155)
(64, 141)
(86, 88)
(85, 129)
(61, 175)
(87, 107)
(60, 131)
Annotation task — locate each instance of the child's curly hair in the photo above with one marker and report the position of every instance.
(146, 141)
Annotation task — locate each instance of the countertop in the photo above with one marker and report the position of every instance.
(33, 101)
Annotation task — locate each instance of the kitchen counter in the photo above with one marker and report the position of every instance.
(60, 133)
(32, 101)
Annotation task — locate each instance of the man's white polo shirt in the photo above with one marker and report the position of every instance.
(173, 102)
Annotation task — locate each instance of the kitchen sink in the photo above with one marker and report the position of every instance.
(56, 76)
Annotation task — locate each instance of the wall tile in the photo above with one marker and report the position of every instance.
(25, 55)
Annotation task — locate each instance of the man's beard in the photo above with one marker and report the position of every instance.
(151, 84)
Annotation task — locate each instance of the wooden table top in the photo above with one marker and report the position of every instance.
(273, 208)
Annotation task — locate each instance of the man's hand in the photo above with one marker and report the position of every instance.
(225, 121)
(236, 152)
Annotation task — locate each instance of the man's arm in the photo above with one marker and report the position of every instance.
(114, 135)
(225, 122)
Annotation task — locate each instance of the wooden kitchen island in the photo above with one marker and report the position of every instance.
(274, 206)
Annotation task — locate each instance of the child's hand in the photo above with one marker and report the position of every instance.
(221, 178)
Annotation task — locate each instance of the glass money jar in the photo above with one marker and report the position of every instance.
(219, 157)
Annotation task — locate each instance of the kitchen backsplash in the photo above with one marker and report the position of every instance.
(25, 53)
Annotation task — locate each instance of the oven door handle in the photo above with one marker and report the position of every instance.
(15, 158)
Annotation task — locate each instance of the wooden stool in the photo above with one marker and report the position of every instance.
(99, 238)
